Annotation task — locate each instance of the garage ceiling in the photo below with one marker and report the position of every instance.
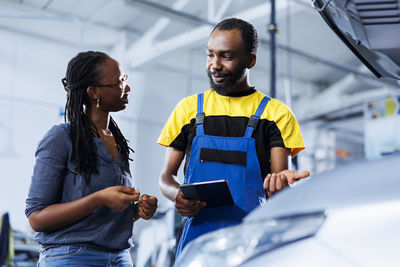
(171, 34)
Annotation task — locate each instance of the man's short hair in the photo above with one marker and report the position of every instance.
(247, 30)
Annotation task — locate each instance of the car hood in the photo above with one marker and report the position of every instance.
(351, 185)
(370, 29)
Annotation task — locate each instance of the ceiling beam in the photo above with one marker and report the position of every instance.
(220, 14)
(33, 12)
(47, 4)
(210, 9)
(146, 49)
(137, 57)
(173, 13)
(39, 16)
(148, 37)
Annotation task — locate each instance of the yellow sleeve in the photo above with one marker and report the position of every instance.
(289, 128)
(184, 111)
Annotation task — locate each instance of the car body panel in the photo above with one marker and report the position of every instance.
(361, 203)
(354, 184)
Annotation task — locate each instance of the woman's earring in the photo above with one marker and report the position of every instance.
(98, 103)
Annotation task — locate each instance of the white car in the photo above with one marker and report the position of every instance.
(347, 217)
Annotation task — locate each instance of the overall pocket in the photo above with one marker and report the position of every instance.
(223, 156)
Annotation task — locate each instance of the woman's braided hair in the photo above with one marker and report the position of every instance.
(84, 70)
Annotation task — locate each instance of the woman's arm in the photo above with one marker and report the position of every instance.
(59, 215)
(43, 208)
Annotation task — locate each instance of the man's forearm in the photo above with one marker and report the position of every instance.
(169, 186)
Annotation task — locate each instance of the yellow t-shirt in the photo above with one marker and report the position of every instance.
(228, 116)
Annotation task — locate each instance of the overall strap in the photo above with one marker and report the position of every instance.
(253, 121)
(200, 115)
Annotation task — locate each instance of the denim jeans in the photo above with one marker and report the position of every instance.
(83, 256)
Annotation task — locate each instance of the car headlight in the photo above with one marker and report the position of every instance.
(233, 246)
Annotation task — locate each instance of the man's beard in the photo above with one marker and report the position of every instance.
(231, 79)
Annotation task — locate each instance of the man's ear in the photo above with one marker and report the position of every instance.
(252, 61)
(92, 92)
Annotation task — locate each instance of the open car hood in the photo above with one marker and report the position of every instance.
(370, 28)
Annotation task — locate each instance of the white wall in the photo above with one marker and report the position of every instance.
(31, 98)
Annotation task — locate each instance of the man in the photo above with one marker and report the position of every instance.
(230, 132)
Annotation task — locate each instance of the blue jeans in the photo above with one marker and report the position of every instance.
(83, 256)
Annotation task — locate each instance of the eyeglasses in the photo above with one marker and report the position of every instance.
(121, 84)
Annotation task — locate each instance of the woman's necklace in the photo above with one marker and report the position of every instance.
(109, 142)
(108, 138)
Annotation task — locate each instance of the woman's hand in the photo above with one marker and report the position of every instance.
(146, 206)
(118, 197)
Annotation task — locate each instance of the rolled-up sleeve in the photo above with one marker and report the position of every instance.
(49, 170)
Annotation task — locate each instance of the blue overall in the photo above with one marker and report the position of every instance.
(233, 159)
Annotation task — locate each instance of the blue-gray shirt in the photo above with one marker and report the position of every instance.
(53, 182)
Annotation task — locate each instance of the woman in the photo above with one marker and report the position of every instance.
(81, 200)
